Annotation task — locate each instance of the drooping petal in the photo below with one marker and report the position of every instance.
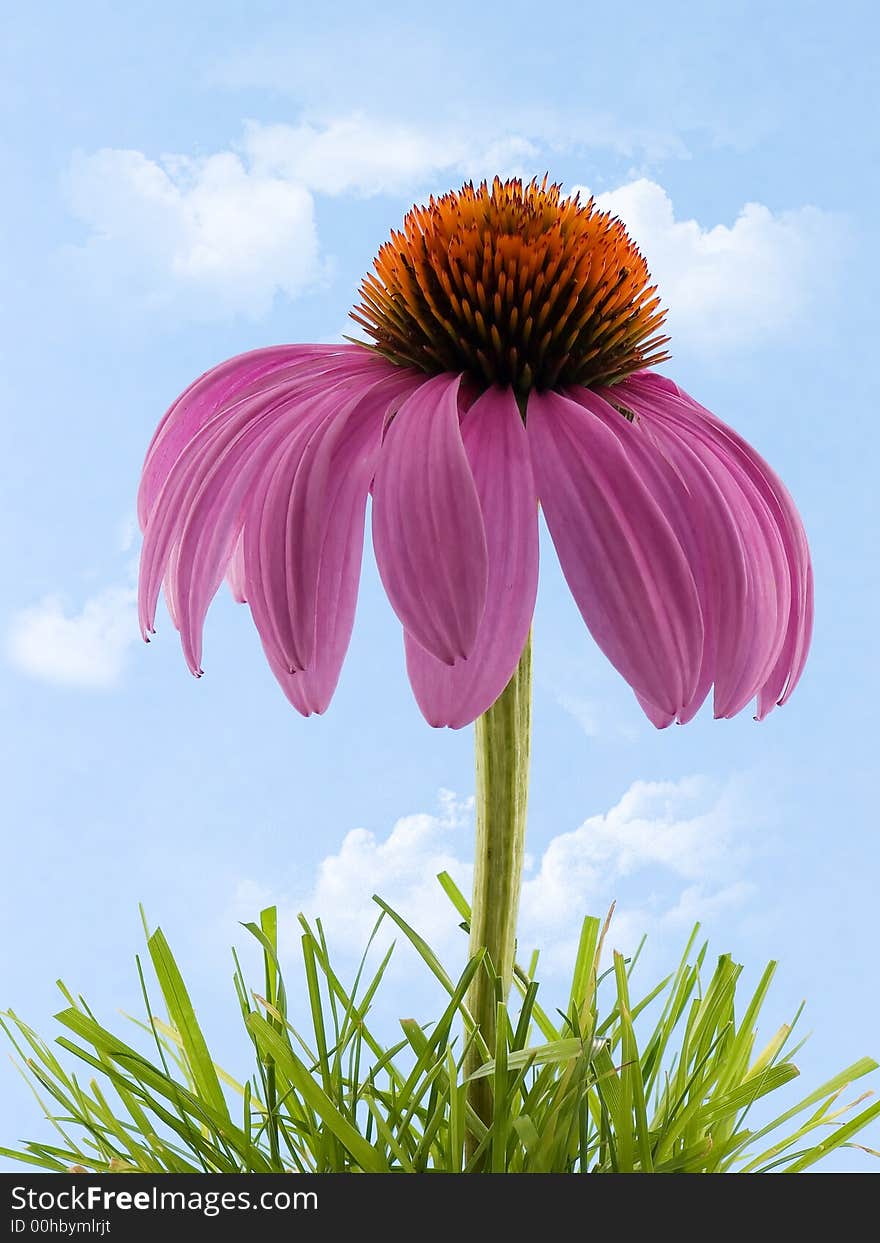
(176, 465)
(194, 527)
(497, 447)
(665, 478)
(323, 533)
(428, 528)
(336, 590)
(741, 555)
(311, 689)
(626, 568)
(236, 378)
(733, 548)
(187, 474)
(292, 508)
(658, 718)
(215, 517)
(775, 550)
(786, 673)
(270, 482)
(331, 481)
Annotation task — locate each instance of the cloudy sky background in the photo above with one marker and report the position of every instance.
(185, 186)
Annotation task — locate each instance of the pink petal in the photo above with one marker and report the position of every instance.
(786, 674)
(310, 690)
(775, 544)
(325, 523)
(171, 478)
(497, 448)
(664, 473)
(626, 569)
(428, 529)
(202, 399)
(193, 522)
(181, 486)
(240, 377)
(332, 479)
(655, 715)
(290, 511)
(267, 538)
(215, 517)
(733, 548)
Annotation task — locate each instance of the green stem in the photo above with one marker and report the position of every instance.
(502, 745)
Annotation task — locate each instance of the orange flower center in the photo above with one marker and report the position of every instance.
(514, 285)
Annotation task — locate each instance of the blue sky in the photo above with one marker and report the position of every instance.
(184, 184)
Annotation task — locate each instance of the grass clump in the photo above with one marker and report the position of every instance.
(664, 1080)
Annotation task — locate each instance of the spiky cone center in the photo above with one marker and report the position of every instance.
(514, 284)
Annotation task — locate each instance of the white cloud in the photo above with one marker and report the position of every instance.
(127, 532)
(669, 851)
(585, 712)
(402, 868)
(437, 71)
(87, 648)
(729, 286)
(227, 233)
(350, 155)
(684, 828)
(208, 237)
(361, 155)
(698, 903)
(598, 718)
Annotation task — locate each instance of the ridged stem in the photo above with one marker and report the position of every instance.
(502, 746)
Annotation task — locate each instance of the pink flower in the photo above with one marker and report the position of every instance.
(512, 330)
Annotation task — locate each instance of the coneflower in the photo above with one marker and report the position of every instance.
(513, 335)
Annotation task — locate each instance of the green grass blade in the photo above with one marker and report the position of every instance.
(183, 1017)
(362, 1153)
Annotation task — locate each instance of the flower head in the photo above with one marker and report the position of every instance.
(517, 286)
(513, 333)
